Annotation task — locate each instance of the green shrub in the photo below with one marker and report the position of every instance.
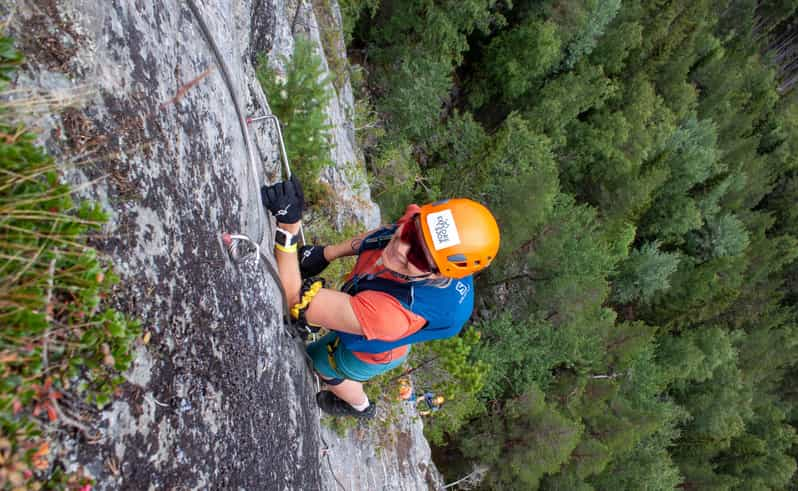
(447, 367)
(299, 100)
(416, 89)
(10, 59)
(369, 128)
(397, 180)
(351, 10)
(645, 272)
(59, 341)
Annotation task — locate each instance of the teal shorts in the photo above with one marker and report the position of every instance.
(347, 365)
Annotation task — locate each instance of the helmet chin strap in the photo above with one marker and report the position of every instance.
(399, 275)
(408, 277)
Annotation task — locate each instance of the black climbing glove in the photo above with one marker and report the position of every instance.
(284, 200)
(311, 260)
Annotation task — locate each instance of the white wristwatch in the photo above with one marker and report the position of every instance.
(285, 238)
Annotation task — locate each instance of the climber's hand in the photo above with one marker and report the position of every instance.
(284, 200)
(311, 260)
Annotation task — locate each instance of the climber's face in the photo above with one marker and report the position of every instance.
(405, 255)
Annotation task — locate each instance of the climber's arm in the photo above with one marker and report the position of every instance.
(329, 308)
(313, 259)
(345, 248)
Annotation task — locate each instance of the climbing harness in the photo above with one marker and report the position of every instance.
(240, 246)
(331, 353)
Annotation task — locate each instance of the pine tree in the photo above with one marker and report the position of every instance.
(598, 14)
(526, 440)
(758, 458)
(512, 74)
(721, 236)
(694, 356)
(299, 99)
(645, 272)
(648, 464)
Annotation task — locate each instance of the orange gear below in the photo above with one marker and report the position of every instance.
(405, 392)
(462, 236)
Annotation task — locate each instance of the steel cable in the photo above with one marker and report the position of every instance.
(243, 122)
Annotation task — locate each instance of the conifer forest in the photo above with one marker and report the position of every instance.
(639, 328)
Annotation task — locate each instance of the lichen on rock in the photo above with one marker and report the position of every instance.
(221, 395)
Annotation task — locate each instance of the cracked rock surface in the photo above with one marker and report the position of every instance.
(221, 396)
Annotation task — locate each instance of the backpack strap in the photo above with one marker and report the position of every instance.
(378, 240)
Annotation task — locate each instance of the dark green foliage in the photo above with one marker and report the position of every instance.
(516, 164)
(511, 75)
(397, 180)
(527, 440)
(459, 142)
(612, 160)
(10, 59)
(522, 353)
(451, 370)
(620, 39)
(351, 10)
(581, 25)
(566, 97)
(721, 236)
(567, 256)
(59, 337)
(648, 462)
(759, 458)
(690, 156)
(414, 63)
(415, 94)
(299, 99)
(641, 159)
(645, 272)
(695, 355)
(700, 291)
(404, 23)
(719, 407)
(783, 201)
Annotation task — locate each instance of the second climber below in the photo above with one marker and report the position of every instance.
(412, 282)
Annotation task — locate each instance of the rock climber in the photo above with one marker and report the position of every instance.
(432, 402)
(412, 282)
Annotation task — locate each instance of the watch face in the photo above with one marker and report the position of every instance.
(284, 238)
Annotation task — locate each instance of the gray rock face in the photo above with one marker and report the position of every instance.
(347, 178)
(391, 455)
(221, 396)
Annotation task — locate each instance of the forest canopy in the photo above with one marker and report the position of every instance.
(639, 327)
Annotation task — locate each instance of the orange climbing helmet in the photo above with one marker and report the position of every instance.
(461, 235)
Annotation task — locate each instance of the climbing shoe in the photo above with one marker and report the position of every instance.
(332, 405)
